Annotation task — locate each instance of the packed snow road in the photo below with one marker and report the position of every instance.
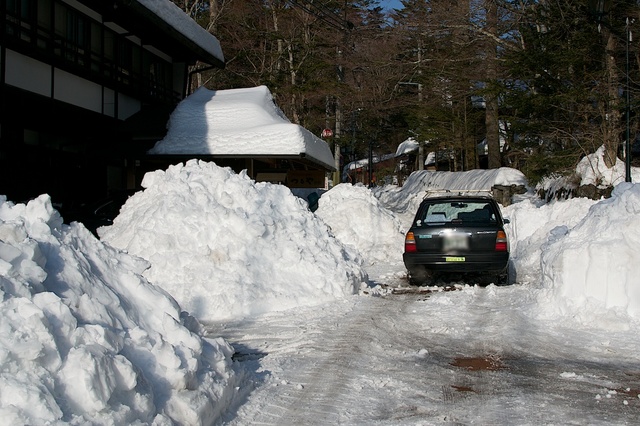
(466, 356)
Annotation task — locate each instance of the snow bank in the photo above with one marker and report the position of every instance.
(85, 339)
(424, 181)
(358, 220)
(591, 170)
(225, 246)
(581, 254)
(594, 266)
(532, 225)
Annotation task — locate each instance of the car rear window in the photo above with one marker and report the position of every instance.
(465, 212)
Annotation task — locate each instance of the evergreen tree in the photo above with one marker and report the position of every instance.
(549, 77)
(565, 86)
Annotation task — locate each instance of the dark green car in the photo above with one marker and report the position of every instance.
(457, 234)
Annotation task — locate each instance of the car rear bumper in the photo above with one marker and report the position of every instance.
(493, 262)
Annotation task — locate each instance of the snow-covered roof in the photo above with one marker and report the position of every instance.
(407, 147)
(181, 22)
(238, 122)
(364, 162)
(431, 159)
(411, 146)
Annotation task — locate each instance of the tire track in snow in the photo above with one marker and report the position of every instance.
(402, 360)
(325, 394)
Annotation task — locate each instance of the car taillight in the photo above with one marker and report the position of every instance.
(501, 241)
(410, 243)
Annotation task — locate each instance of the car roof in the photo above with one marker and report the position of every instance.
(458, 197)
(464, 193)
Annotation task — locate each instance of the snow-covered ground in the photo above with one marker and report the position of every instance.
(470, 356)
(109, 331)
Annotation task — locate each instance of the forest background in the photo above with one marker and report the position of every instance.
(551, 81)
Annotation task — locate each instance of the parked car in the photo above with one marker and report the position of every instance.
(457, 234)
(98, 213)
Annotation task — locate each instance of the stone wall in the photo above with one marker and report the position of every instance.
(503, 193)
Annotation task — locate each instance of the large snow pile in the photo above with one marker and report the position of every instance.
(225, 246)
(581, 253)
(406, 199)
(85, 339)
(482, 180)
(595, 265)
(582, 256)
(358, 219)
(238, 122)
(532, 224)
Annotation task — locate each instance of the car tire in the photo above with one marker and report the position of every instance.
(507, 277)
(419, 276)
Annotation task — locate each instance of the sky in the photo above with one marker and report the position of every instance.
(390, 4)
(112, 330)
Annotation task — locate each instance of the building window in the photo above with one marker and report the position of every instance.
(88, 48)
(20, 19)
(73, 35)
(96, 48)
(22, 9)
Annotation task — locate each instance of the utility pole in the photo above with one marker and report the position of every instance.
(627, 148)
(336, 143)
(420, 165)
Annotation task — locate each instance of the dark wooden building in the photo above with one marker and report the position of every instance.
(86, 87)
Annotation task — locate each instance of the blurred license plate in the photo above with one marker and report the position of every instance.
(455, 242)
(454, 259)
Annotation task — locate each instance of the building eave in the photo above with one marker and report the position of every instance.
(154, 30)
(212, 157)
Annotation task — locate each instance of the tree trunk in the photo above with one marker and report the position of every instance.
(214, 12)
(279, 41)
(611, 128)
(491, 100)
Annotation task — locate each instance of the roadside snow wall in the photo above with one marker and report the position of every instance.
(595, 265)
(581, 256)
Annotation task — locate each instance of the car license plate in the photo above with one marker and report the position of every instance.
(454, 259)
(455, 241)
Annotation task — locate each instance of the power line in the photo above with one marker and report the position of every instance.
(323, 13)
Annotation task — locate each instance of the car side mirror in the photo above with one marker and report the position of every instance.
(506, 221)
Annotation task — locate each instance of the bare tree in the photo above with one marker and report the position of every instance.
(491, 96)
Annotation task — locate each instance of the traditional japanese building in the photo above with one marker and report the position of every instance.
(87, 87)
